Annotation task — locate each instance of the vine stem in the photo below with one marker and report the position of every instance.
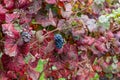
(51, 31)
(45, 35)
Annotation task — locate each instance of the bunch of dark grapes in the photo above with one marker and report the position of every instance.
(26, 36)
(58, 40)
(103, 78)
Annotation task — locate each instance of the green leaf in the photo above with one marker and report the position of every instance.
(104, 21)
(96, 77)
(98, 2)
(115, 60)
(42, 77)
(95, 61)
(109, 75)
(109, 69)
(114, 66)
(54, 68)
(79, 14)
(17, 27)
(108, 59)
(33, 21)
(61, 79)
(40, 65)
(79, 52)
(74, 23)
(109, 2)
(28, 58)
(53, 8)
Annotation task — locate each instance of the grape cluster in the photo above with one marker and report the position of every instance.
(103, 78)
(26, 36)
(58, 40)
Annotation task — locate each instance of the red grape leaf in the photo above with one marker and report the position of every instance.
(50, 47)
(2, 13)
(23, 3)
(100, 46)
(33, 74)
(35, 6)
(11, 17)
(46, 21)
(15, 64)
(11, 38)
(51, 1)
(10, 48)
(97, 68)
(68, 10)
(109, 35)
(66, 0)
(24, 48)
(11, 74)
(10, 31)
(88, 40)
(9, 4)
(2, 10)
(61, 23)
(72, 52)
(3, 76)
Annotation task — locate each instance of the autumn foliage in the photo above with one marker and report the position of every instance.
(75, 39)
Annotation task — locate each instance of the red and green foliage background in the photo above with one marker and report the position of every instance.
(91, 33)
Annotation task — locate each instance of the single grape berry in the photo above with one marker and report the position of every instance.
(58, 40)
(26, 36)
